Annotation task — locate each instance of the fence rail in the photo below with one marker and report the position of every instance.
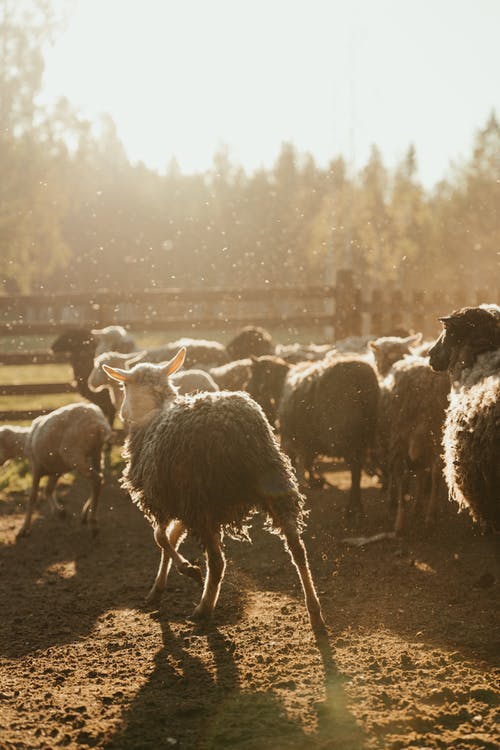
(342, 308)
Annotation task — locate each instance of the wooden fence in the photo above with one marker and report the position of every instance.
(338, 311)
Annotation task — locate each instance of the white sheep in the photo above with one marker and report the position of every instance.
(113, 338)
(69, 438)
(203, 464)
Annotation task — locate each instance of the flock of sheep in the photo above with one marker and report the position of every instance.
(202, 449)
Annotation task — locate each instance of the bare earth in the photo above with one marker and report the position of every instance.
(412, 659)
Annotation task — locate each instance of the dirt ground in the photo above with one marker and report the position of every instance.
(412, 659)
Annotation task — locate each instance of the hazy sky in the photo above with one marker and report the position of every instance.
(333, 76)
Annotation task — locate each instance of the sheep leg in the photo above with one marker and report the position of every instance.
(25, 528)
(51, 496)
(169, 552)
(89, 510)
(297, 551)
(400, 523)
(216, 565)
(436, 482)
(355, 507)
(175, 533)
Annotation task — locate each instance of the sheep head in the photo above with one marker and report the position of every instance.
(146, 386)
(466, 334)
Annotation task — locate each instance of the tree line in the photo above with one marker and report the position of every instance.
(75, 213)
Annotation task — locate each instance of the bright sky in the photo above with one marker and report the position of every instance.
(183, 77)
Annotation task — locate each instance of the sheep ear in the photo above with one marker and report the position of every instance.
(446, 319)
(373, 345)
(175, 363)
(115, 373)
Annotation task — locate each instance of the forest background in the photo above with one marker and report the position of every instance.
(76, 214)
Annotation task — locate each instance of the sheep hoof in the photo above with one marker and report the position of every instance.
(200, 614)
(61, 512)
(194, 572)
(24, 531)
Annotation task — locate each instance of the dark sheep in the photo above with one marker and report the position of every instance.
(203, 464)
(413, 407)
(469, 349)
(81, 345)
(327, 408)
(250, 341)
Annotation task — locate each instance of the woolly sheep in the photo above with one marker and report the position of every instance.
(68, 438)
(81, 345)
(325, 408)
(203, 464)
(413, 404)
(469, 349)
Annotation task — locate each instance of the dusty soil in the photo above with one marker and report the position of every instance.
(411, 662)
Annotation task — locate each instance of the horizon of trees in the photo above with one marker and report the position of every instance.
(76, 214)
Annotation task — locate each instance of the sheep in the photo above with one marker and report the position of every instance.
(469, 349)
(266, 383)
(413, 404)
(294, 353)
(189, 381)
(113, 338)
(233, 376)
(68, 438)
(199, 352)
(389, 349)
(250, 341)
(81, 345)
(202, 464)
(325, 408)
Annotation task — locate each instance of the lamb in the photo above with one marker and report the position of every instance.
(68, 438)
(469, 349)
(202, 464)
(189, 381)
(325, 408)
(250, 341)
(413, 404)
(113, 338)
(81, 345)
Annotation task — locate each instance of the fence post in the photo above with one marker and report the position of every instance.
(347, 305)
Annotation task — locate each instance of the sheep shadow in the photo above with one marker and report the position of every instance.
(56, 583)
(187, 703)
(448, 574)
